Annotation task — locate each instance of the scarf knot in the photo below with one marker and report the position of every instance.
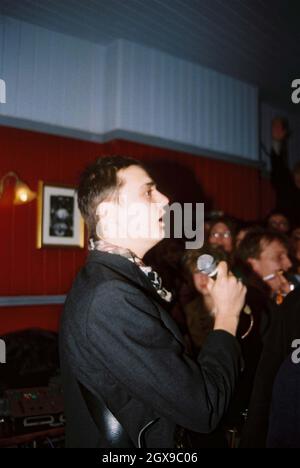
(152, 275)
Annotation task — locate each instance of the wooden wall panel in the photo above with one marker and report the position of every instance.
(25, 270)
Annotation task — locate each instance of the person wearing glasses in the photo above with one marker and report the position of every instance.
(222, 234)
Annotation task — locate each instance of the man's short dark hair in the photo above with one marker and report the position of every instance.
(255, 240)
(97, 183)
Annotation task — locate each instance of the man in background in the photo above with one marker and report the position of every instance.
(285, 182)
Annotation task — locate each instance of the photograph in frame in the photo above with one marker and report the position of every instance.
(59, 220)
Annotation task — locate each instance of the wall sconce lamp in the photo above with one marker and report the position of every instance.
(23, 194)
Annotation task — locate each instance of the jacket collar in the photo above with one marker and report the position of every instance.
(125, 268)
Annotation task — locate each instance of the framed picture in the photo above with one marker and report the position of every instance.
(59, 220)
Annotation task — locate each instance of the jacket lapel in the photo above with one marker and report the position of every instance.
(131, 272)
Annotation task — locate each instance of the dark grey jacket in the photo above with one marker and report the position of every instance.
(120, 345)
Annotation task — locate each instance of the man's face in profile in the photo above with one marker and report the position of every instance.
(273, 259)
(136, 216)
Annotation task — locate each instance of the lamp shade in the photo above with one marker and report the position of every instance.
(23, 194)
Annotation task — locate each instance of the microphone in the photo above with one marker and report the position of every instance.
(207, 265)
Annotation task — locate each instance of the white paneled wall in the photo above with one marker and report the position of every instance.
(170, 98)
(111, 111)
(74, 84)
(50, 77)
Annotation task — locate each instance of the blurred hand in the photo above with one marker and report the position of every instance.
(228, 294)
(279, 284)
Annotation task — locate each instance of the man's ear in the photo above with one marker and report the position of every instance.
(254, 263)
(107, 217)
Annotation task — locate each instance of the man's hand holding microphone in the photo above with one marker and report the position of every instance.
(228, 294)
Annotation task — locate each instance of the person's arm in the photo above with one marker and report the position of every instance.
(127, 335)
(281, 177)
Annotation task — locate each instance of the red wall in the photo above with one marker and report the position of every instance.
(237, 189)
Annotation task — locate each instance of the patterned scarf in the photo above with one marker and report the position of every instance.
(152, 275)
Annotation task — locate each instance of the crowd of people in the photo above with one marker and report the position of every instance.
(154, 352)
(265, 256)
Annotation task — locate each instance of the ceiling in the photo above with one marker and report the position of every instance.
(257, 41)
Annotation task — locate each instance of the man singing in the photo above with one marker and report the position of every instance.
(128, 381)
